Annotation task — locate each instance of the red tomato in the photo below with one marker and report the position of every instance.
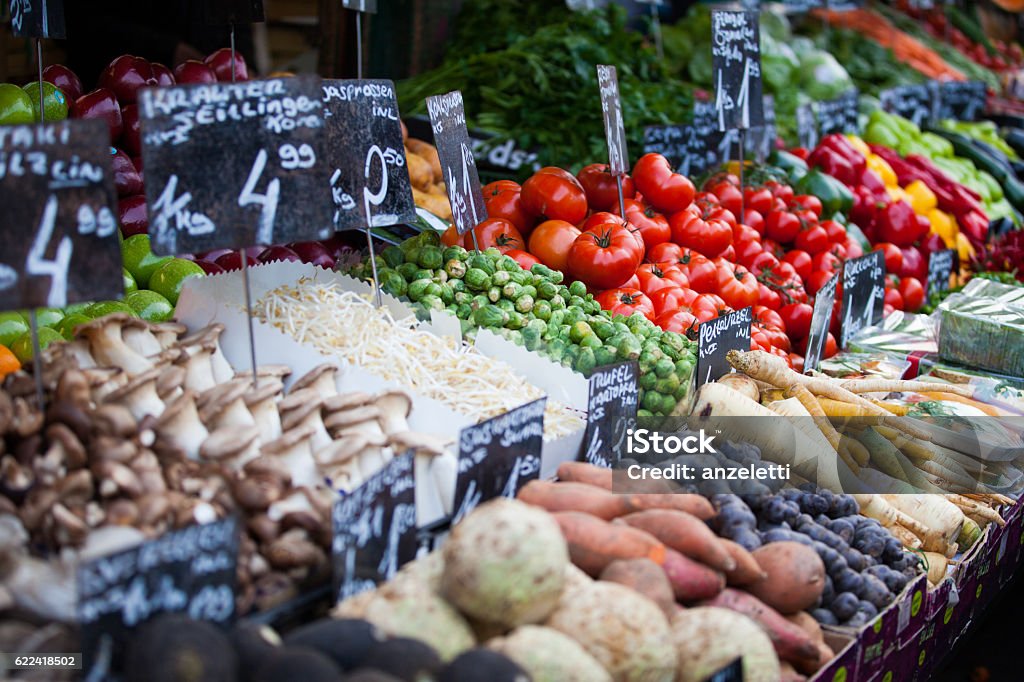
(550, 242)
(679, 321)
(835, 230)
(699, 270)
(626, 302)
(894, 298)
(667, 252)
(759, 200)
(663, 188)
(721, 213)
(553, 194)
(778, 338)
(653, 277)
(812, 240)
(737, 287)
(797, 318)
(774, 248)
(768, 297)
(503, 199)
(653, 226)
(604, 256)
(780, 190)
(451, 236)
(765, 261)
(729, 196)
(831, 347)
(672, 298)
(893, 256)
(759, 340)
(853, 248)
(767, 317)
(914, 264)
(826, 261)
(632, 283)
(754, 219)
(496, 232)
(743, 232)
(807, 202)
(525, 260)
(747, 251)
(801, 262)
(601, 188)
(838, 250)
(709, 237)
(912, 292)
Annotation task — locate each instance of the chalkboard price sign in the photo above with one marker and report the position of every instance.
(611, 110)
(370, 179)
(806, 126)
(60, 222)
(761, 139)
(736, 62)
(940, 268)
(191, 570)
(821, 319)
(611, 412)
(230, 165)
(914, 102)
(672, 142)
(962, 101)
(374, 528)
(863, 294)
(37, 18)
(368, 6)
(716, 338)
(838, 115)
(584, 5)
(448, 122)
(229, 12)
(499, 456)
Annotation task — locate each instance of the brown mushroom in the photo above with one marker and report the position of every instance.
(433, 463)
(26, 419)
(181, 426)
(138, 335)
(6, 411)
(262, 527)
(293, 549)
(76, 489)
(75, 351)
(104, 381)
(167, 333)
(68, 528)
(210, 337)
(122, 512)
(71, 415)
(107, 345)
(294, 451)
(262, 404)
(232, 446)
(197, 360)
(224, 407)
(73, 387)
(66, 445)
(15, 480)
(321, 379)
(170, 383)
(116, 479)
(395, 408)
(139, 395)
(112, 448)
(302, 409)
(279, 372)
(147, 467)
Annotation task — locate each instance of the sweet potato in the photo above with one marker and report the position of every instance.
(789, 674)
(420, 173)
(684, 533)
(809, 666)
(593, 543)
(790, 641)
(428, 152)
(556, 497)
(796, 576)
(691, 581)
(806, 622)
(697, 505)
(746, 571)
(647, 578)
(582, 472)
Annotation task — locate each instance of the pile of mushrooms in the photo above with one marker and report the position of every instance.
(147, 430)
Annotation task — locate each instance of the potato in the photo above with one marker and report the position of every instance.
(428, 152)
(549, 656)
(420, 174)
(435, 203)
(807, 623)
(647, 578)
(795, 576)
(708, 638)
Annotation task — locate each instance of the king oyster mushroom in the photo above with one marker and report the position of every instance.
(395, 408)
(171, 383)
(223, 406)
(433, 462)
(197, 359)
(105, 380)
(262, 404)
(279, 372)
(209, 338)
(232, 446)
(181, 426)
(138, 335)
(107, 346)
(139, 395)
(302, 409)
(340, 464)
(321, 379)
(363, 420)
(294, 452)
(168, 333)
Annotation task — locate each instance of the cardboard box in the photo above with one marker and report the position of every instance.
(844, 667)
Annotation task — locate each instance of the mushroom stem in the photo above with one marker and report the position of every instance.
(107, 345)
(180, 424)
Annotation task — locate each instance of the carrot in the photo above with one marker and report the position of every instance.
(684, 533)
(691, 581)
(902, 386)
(647, 578)
(594, 543)
(747, 570)
(557, 497)
(697, 505)
(954, 398)
(581, 472)
(790, 641)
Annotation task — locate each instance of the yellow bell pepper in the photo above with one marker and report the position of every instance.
(884, 170)
(859, 144)
(897, 194)
(964, 248)
(922, 199)
(945, 226)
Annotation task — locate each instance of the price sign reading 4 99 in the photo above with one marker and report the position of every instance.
(37, 18)
(736, 69)
(59, 229)
(448, 122)
(230, 165)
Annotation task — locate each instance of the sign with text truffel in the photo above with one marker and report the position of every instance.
(230, 165)
(369, 177)
(736, 69)
(611, 412)
(863, 294)
(59, 229)
(229, 12)
(37, 18)
(499, 456)
(962, 101)
(716, 338)
(448, 123)
(940, 268)
(611, 111)
(838, 115)
(821, 320)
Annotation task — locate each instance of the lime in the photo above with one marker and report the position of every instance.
(168, 280)
(45, 317)
(70, 322)
(101, 308)
(76, 308)
(22, 348)
(150, 305)
(12, 325)
(56, 103)
(15, 105)
(139, 260)
(129, 282)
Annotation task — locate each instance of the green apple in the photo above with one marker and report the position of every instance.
(15, 105)
(45, 317)
(150, 305)
(22, 348)
(56, 104)
(70, 322)
(101, 308)
(170, 278)
(12, 325)
(139, 260)
(130, 284)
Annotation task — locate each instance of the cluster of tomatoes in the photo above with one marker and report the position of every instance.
(679, 256)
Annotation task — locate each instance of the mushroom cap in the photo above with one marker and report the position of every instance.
(210, 407)
(420, 442)
(175, 328)
(310, 377)
(266, 371)
(228, 443)
(300, 398)
(210, 332)
(174, 408)
(345, 448)
(266, 391)
(346, 401)
(343, 418)
(134, 384)
(100, 324)
(98, 376)
(398, 402)
(287, 441)
(171, 378)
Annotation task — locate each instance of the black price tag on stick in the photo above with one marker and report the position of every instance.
(913, 102)
(37, 18)
(736, 74)
(806, 126)
(585, 5)
(231, 165)
(191, 571)
(368, 6)
(962, 101)
(499, 456)
(374, 528)
(370, 179)
(730, 673)
(611, 412)
(940, 269)
(611, 110)
(228, 12)
(716, 338)
(863, 294)
(838, 115)
(448, 122)
(760, 141)
(671, 141)
(60, 222)
(821, 320)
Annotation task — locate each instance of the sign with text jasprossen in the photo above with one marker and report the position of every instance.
(374, 528)
(962, 101)
(37, 18)
(940, 268)
(716, 338)
(806, 126)
(838, 115)
(230, 165)
(821, 319)
(59, 229)
(863, 294)
(448, 123)
(611, 111)
(611, 412)
(499, 456)
(914, 102)
(369, 177)
(190, 571)
(368, 6)
(736, 69)
(228, 12)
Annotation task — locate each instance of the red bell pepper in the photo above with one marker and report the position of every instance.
(864, 212)
(833, 163)
(842, 146)
(873, 182)
(898, 224)
(974, 224)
